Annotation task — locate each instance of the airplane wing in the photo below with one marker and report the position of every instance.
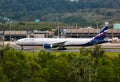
(54, 44)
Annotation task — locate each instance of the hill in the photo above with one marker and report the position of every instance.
(67, 11)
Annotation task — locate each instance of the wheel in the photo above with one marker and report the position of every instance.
(22, 48)
(62, 48)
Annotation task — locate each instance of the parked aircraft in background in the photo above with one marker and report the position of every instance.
(61, 43)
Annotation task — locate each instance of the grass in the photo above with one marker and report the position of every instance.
(109, 54)
(112, 54)
(30, 53)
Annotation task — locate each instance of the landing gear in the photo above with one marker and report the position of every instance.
(62, 48)
(22, 48)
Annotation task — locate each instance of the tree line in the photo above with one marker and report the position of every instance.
(86, 66)
(28, 10)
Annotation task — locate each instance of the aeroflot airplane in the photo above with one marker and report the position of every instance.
(61, 43)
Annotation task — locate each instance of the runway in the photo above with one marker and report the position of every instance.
(108, 47)
(77, 50)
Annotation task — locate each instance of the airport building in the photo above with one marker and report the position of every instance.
(65, 32)
(40, 34)
(89, 33)
(14, 35)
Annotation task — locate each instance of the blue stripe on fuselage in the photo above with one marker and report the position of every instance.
(94, 41)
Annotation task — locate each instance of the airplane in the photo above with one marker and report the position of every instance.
(61, 43)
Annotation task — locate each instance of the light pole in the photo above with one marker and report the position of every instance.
(2, 36)
(9, 25)
(10, 32)
(57, 26)
(10, 29)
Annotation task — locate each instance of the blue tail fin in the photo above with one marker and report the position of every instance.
(102, 34)
(99, 38)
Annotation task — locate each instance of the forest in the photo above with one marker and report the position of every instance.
(86, 66)
(82, 12)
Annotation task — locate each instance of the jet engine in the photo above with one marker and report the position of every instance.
(48, 46)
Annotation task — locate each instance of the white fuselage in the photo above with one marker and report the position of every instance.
(42, 41)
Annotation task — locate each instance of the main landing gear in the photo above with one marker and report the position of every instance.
(22, 48)
(62, 48)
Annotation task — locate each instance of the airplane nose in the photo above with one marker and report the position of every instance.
(17, 42)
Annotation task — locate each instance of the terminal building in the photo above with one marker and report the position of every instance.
(89, 33)
(65, 32)
(14, 35)
(42, 34)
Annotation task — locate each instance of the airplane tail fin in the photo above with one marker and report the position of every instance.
(99, 38)
(102, 34)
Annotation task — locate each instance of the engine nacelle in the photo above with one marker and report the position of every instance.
(48, 46)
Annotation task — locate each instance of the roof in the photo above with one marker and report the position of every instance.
(85, 30)
(15, 32)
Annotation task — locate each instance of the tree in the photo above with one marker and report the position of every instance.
(43, 57)
(3, 77)
(106, 71)
(97, 53)
(116, 66)
(59, 69)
